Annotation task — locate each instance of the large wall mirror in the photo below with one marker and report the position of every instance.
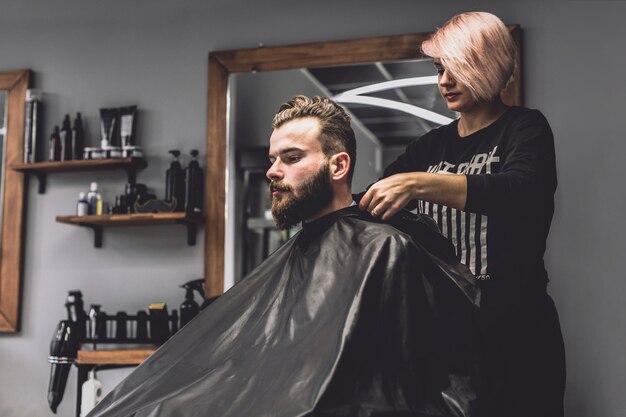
(385, 84)
(13, 86)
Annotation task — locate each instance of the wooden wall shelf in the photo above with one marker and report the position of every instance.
(114, 357)
(42, 169)
(87, 360)
(97, 223)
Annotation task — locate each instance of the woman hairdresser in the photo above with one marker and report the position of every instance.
(496, 208)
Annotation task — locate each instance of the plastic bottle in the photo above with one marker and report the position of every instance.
(78, 138)
(92, 198)
(82, 207)
(99, 205)
(189, 308)
(175, 182)
(194, 185)
(66, 139)
(55, 145)
(91, 391)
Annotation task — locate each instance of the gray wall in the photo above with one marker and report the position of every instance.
(88, 55)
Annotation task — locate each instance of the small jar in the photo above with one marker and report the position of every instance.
(132, 151)
(88, 153)
(97, 153)
(114, 152)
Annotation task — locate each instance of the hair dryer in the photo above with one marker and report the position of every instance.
(63, 349)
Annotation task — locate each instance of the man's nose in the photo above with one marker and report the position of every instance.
(274, 173)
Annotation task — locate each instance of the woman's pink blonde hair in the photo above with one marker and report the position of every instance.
(477, 50)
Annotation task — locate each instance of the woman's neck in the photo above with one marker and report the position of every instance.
(481, 116)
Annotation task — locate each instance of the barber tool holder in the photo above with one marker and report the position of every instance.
(98, 340)
(123, 328)
(114, 350)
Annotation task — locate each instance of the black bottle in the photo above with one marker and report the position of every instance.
(189, 308)
(194, 186)
(55, 145)
(78, 138)
(66, 138)
(175, 183)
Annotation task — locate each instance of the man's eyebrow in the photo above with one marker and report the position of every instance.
(287, 150)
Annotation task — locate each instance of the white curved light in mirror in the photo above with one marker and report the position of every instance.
(356, 96)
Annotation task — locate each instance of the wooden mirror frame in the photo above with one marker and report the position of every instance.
(224, 63)
(15, 83)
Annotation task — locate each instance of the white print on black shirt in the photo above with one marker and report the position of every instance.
(467, 231)
(479, 164)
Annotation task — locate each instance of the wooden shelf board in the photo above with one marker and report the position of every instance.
(114, 357)
(81, 165)
(134, 219)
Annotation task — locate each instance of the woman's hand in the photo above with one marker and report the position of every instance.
(390, 195)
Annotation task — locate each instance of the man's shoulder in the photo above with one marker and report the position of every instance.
(405, 227)
(369, 229)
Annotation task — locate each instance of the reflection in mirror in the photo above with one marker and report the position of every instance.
(391, 103)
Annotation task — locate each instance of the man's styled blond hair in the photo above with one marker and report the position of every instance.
(336, 131)
(477, 50)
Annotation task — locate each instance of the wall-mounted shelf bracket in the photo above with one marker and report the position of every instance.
(41, 179)
(97, 239)
(191, 231)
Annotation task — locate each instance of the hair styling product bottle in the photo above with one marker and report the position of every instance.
(99, 205)
(66, 138)
(92, 198)
(78, 138)
(194, 185)
(82, 207)
(55, 145)
(175, 183)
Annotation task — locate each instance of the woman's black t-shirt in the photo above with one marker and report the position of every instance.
(511, 179)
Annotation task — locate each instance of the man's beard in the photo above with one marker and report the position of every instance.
(303, 202)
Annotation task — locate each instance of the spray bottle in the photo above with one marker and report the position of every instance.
(189, 308)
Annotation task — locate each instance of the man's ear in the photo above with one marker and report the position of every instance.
(339, 166)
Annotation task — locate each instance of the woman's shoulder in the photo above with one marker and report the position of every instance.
(521, 114)
(437, 134)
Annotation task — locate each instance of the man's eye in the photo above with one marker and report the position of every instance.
(293, 158)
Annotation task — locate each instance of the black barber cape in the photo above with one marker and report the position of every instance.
(350, 317)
